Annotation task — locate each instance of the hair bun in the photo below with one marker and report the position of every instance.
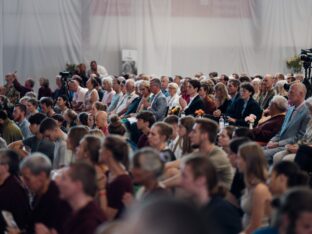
(115, 121)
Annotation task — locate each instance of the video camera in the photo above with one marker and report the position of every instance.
(65, 75)
(306, 55)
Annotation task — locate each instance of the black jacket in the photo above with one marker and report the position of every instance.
(239, 114)
(196, 104)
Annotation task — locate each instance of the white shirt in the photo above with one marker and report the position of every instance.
(173, 101)
(191, 100)
(124, 101)
(107, 97)
(79, 96)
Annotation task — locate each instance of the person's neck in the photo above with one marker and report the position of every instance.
(298, 104)
(38, 135)
(109, 90)
(233, 95)
(202, 197)
(193, 95)
(157, 92)
(79, 201)
(117, 91)
(59, 133)
(206, 147)
(20, 120)
(145, 131)
(50, 112)
(150, 185)
(44, 188)
(275, 113)
(161, 147)
(63, 108)
(4, 177)
(116, 169)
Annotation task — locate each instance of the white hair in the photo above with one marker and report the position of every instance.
(131, 81)
(108, 79)
(280, 102)
(173, 85)
(256, 81)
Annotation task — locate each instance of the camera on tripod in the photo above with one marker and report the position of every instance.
(65, 76)
(306, 55)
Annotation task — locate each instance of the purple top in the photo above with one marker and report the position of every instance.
(115, 191)
(85, 220)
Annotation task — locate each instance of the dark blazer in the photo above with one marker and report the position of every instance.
(251, 108)
(231, 108)
(196, 104)
(266, 130)
(264, 99)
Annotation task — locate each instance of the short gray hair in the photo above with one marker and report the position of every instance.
(131, 81)
(37, 163)
(280, 102)
(108, 79)
(156, 82)
(148, 159)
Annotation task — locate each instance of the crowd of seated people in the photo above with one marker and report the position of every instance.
(141, 154)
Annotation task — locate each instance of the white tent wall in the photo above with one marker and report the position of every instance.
(38, 37)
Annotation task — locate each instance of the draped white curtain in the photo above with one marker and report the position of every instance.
(38, 37)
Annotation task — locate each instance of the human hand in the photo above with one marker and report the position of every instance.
(127, 199)
(272, 145)
(231, 120)
(13, 230)
(217, 113)
(42, 229)
(292, 148)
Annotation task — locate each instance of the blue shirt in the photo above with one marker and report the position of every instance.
(24, 127)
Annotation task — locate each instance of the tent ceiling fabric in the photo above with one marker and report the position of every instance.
(38, 37)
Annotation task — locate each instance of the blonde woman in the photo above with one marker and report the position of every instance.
(144, 89)
(222, 100)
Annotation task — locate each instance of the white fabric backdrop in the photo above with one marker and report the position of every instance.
(38, 37)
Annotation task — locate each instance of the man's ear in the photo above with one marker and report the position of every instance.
(204, 136)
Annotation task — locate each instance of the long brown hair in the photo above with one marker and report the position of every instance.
(119, 148)
(256, 164)
(187, 122)
(224, 93)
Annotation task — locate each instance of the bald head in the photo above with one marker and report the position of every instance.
(130, 85)
(268, 81)
(101, 119)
